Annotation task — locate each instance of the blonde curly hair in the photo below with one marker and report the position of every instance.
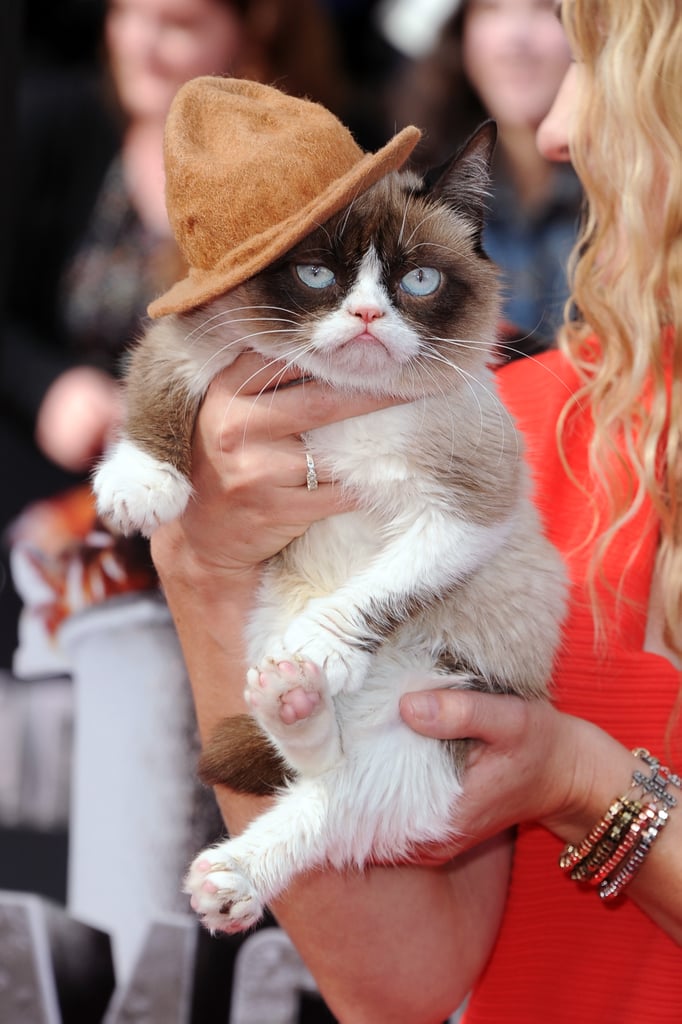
(626, 269)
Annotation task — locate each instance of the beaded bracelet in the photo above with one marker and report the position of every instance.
(615, 883)
(614, 850)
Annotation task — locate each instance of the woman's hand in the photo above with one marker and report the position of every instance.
(532, 762)
(249, 468)
(528, 762)
(79, 413)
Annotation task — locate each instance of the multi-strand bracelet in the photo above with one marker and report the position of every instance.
(612, 853)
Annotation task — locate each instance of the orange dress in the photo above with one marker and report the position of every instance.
(562, 955)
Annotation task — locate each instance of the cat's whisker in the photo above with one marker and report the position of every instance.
(340, 231)
(203, 327)
(288, 359)
(429, 214)
(460, 254)
(325, 229)
(409, 199)
(250, 308)
(267, 387)
(242, 342)
(286, 328)
(199, 333)
(478, 343)
(503, 413)
(470, 380)
(464, 345)
(446, 392)
(547, 369)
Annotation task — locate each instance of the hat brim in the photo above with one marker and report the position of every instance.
(237, 266)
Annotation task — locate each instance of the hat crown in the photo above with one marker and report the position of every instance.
(250, 171)
(242, 156)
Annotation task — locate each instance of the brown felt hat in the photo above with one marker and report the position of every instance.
(251, 171)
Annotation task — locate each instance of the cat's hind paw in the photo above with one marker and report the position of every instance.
(284, 690)
(289, 698)
(223, 898)
(136, 492)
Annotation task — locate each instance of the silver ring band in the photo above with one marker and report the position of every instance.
(311, 475)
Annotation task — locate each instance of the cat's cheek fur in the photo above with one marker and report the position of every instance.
(136, 492)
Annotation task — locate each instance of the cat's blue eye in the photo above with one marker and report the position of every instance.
(315, 275)
(421, 281)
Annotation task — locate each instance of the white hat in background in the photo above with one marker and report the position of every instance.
(413, 27)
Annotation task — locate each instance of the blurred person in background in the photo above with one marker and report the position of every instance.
(91, 244)
(503, 59)
(120, 258)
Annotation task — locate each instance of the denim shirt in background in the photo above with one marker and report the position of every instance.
(531, 248)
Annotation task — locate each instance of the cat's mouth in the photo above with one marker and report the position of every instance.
(362, 358)
(365, 341)
(366, 338)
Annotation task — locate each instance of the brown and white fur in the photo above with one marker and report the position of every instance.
(441, 571)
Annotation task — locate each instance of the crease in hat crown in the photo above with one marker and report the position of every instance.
(250, 171)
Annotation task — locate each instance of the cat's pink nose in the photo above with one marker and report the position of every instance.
(368, 313)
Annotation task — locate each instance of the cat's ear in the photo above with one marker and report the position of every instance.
(463, 182)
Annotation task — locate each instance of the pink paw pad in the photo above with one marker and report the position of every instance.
(298, 704)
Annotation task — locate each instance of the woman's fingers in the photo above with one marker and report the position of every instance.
(268, 400)
(249, 468)
(528, 761)
(464, 714)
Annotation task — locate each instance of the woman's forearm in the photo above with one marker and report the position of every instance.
(210, 612)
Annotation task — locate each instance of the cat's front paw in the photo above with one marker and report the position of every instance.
(224, 899)
(136, 492)
(344, 665)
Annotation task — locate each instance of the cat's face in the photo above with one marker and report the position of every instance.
(394, 294)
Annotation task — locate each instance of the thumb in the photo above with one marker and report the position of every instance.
(458, 714)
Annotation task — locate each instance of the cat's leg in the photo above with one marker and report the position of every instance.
(342, 631)
(143, 480)
(290, 699)
(231, 883)
(136, 492)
